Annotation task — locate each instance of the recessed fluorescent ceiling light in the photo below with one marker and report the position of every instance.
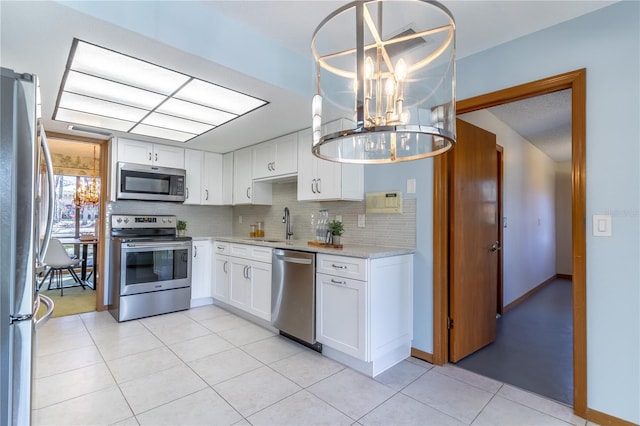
(107, 89)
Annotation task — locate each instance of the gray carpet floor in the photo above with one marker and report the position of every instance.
(533, 349)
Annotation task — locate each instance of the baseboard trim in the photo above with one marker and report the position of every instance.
(565, 276)
(606, 419)
(530, 293)
(425, 356)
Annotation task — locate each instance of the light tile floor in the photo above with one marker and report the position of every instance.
(207, 366)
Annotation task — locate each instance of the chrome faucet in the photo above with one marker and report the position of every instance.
(287, 219)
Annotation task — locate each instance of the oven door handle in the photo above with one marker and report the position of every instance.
(159, 244)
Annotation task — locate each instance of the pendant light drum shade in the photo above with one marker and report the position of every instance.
(385, 79)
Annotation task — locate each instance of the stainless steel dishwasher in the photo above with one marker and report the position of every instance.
(293, 296)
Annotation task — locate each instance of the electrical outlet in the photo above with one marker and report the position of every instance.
(240, 219)
(339, 217)
(361, 220)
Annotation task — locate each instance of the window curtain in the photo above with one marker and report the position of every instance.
(74, 158)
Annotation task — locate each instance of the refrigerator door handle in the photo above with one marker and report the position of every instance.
(39, 322)
(51, 195)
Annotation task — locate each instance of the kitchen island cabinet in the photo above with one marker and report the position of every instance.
(364, 310)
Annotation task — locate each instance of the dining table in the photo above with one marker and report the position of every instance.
(84, 243)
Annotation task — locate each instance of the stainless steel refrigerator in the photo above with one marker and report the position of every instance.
(26, 196)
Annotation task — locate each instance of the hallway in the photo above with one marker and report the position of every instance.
(533, 349)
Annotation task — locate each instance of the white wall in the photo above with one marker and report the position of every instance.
(528, 245)
(563, 219)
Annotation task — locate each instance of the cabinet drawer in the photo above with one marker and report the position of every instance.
(258, 253)
(221, 247)
(342, 266)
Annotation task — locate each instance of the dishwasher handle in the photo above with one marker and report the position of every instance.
(297, 260)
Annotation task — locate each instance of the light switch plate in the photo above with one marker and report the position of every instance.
(411, 186)
(361, 221)
(601, 225)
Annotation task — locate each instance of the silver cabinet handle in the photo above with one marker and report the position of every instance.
(224, 266)
(273, 166)
(220, 247)
(318, 187)
(195, 251)
(248, 192)
(187, 193)
(313, 189)
(156, 157)
(338, 282)
(149, 156)
(248, 272)
(206, 191)
(338, 266)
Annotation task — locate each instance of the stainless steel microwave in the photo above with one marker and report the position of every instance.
(150, 183)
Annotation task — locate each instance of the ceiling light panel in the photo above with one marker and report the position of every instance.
(159, 132)
(100, 107)
(196, 112)
(218, 97)
(105, 89)
(95, 60)
(93, 120)
(175, 123)
(100, 88)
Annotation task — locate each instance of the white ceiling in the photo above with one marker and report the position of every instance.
(35, 37)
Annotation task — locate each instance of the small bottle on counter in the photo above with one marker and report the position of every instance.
(252, 231)
(260, 230)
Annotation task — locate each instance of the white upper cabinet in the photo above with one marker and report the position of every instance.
(204, 177)
(193, 178)
(227, 179)
(212, 179)
(326, 180)
(140, 152)
(245, 190)
(276, 158)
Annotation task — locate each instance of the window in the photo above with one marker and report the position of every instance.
(69, 220)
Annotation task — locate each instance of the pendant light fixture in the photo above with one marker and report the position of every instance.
(385, 75)
(88, 194)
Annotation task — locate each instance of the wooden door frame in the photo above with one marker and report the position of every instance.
(576, 81)
(101, 255)
(500, 275)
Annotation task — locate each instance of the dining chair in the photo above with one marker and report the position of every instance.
(58, 260)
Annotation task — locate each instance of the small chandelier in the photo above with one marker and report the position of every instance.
(88, 194)
(388, 94)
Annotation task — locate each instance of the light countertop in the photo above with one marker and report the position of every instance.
(353, 250)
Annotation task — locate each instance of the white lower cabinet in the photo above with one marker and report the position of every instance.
(249, 270)
(341, 314)
(364, 310)
(222, 272)
(201, 273)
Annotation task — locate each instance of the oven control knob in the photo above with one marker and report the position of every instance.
(119, 220)
(164, 220)
(126, 220)
(170, 220)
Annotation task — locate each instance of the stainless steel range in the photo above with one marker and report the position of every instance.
(150, 267)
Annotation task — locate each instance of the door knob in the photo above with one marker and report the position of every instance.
(495, 246)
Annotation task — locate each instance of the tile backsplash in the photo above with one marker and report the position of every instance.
(395, 230)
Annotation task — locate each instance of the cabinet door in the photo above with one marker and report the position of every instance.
(221, 278)
(201, 269)
(328, 180)
(262, 160)
(227, 179)
(240, 288)
(260, 274)
(193, 180)
(135, 151)
(242, 176)
(341, 314)
(285, 151)
(306, 167)
(168, 156)
(212, 179)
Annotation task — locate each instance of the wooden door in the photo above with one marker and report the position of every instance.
(473, 230)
